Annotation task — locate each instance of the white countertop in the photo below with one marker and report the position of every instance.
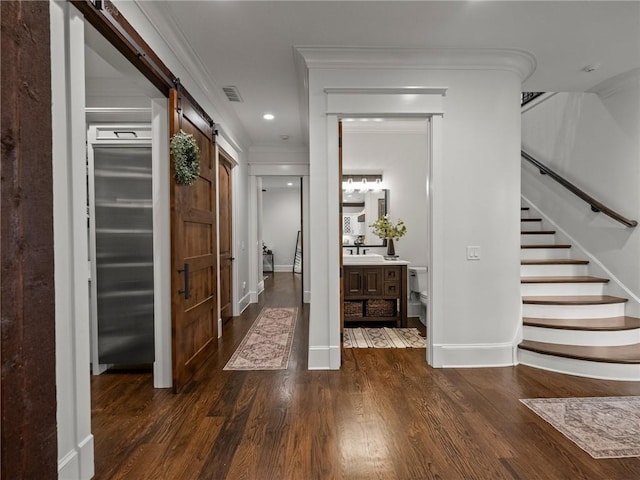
(371, 259)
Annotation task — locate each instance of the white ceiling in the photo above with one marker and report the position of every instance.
(250, 44)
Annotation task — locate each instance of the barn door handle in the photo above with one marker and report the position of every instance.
(185, 270)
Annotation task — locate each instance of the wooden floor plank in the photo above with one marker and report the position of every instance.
(384, 415)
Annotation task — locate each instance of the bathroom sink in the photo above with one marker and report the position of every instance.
(368, 258)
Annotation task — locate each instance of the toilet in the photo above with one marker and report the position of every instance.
(418, 292)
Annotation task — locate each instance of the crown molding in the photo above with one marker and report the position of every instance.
(518, 61)
(387, 90)
(625, 81)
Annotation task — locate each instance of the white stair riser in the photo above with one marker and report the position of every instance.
(553, 270)
(581, 368)
(538, 239)
(550, 289)
(573, 311)
(544, 253)
(530, 226)
(582, 337)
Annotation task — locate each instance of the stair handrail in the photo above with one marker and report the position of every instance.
(595, 205)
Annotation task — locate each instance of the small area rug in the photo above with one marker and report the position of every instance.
(604, 427)
(267, 344)
(383, 338)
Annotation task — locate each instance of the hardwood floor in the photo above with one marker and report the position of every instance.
(384, 415)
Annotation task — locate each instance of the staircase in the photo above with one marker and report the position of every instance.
(570, 324)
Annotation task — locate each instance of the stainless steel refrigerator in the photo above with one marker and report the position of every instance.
(120, 245)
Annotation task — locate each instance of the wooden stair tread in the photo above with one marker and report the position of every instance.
(554, 261)
(524, 208)
(552, 245)
(628, 354)
(594, 324)
(538, 232)
(573, 300)
(578, 279)
(530, 219)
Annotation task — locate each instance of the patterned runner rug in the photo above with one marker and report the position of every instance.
(383, 338)
(604, 427)
(267, 344)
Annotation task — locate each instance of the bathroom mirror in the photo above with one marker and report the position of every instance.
(359, 210)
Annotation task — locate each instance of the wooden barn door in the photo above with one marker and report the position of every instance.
(226, 235)
(194, 308)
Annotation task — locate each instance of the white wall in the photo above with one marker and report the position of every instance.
(401, 156)
(281, 222)
(475, 192)
(593, 140)
(242, 243)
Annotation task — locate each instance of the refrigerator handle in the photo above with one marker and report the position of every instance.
(185, 270)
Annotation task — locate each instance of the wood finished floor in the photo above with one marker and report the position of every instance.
(384, 415)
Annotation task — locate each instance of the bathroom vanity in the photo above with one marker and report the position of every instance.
(375, 290)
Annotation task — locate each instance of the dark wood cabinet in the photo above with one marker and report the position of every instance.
(363, 281)
(375, 293)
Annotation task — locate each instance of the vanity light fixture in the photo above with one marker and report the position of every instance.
(349, 188)
(368, 182)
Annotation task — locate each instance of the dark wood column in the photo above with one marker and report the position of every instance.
(29, 445)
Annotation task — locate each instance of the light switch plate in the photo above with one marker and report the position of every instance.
(473, 253)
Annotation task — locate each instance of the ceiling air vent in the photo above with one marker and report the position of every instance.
(232, 93)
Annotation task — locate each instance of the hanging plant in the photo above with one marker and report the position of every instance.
(186, 158)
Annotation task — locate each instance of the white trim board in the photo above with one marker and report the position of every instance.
(474, 355)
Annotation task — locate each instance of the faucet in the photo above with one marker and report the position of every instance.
(364, 250)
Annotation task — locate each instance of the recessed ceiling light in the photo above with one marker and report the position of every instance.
(289, 184)
(268, 116)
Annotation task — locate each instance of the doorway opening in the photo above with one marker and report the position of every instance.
(384, 170)
(280, 226)
(127, 205)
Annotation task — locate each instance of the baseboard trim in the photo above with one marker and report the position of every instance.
(306, 296)
(473, 355)
(324, 357)
(244, 302)
(78, 463)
